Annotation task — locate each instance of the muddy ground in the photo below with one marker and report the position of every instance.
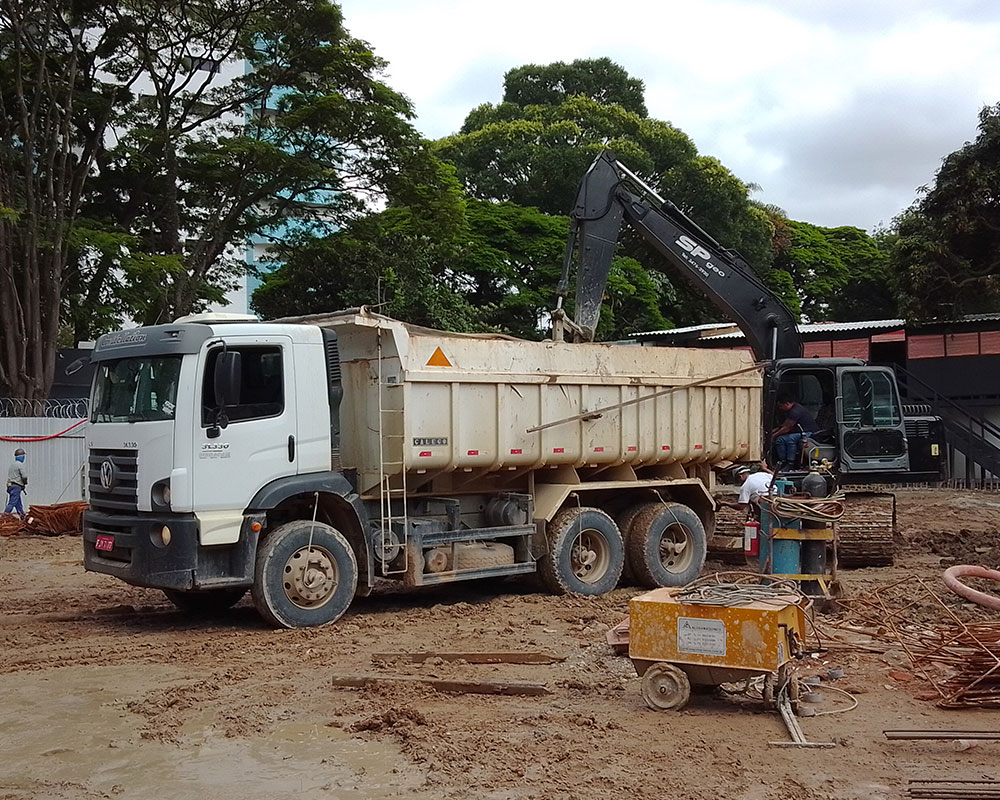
(107, 692)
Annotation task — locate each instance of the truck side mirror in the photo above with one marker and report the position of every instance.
(228, 371)
(227, 380)
(75, 366)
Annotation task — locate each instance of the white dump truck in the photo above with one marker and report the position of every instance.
(306, 459)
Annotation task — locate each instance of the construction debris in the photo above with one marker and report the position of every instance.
(967, 652)
(792, 724)
(54, 520)
(471, 658)
(953, 790)
(941, 734)
(439, 685)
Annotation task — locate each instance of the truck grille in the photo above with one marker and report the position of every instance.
(124, 492)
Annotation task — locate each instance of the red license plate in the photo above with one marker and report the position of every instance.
(105, 543)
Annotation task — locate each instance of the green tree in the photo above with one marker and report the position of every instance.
(386, 260)
(535, 146)
(307, 136)
(838, 273)
(945, 249)
(498, 272)
(55, 111)
(600, 79)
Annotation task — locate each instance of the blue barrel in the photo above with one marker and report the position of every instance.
(784, 554)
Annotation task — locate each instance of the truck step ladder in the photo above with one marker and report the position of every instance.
(391, 436)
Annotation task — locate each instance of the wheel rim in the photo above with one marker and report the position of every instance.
(665, 687)
(590, 556)
(676, 548)
(311, 577)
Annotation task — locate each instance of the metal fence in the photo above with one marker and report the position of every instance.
(55, 409)
(52, 434)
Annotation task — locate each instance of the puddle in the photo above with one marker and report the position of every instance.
(66, 734)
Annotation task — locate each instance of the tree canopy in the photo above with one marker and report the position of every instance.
(839, 274)
(131, 187)
(498, 272)
(945, 249)
(535, 146)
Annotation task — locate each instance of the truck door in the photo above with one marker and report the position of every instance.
(870, 421)
(259, 443)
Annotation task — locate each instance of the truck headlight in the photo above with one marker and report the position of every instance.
(159, 495)
(161, 537)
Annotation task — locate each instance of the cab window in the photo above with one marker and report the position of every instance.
(262, 385)
(870, 399)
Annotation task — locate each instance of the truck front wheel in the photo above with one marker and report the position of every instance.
(306, 575)
(586, 553)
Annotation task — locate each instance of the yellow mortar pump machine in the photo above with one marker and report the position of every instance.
(711, 633)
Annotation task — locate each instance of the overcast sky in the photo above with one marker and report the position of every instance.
(838, 110)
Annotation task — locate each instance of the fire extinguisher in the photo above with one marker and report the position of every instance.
(751, 538)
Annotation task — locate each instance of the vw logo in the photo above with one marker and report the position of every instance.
(107, 474)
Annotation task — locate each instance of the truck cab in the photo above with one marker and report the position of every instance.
(160, 467)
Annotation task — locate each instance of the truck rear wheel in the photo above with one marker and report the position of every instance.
(624, 522)
(586, 553)
(667, 545)
(306, 575)
(209, 601)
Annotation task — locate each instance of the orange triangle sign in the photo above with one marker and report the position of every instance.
(438, 359)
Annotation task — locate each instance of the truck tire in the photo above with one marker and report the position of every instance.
(624, 522)
(667, 545)
(295, 586)
(585, 553)
(208, 601)
(482, 555)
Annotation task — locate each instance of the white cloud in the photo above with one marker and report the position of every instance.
(838, 110)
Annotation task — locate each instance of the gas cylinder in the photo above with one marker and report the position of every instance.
(751, 538)
(814, 484)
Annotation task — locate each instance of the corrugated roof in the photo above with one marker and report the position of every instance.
(805, 328)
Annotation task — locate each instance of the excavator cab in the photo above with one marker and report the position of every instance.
(859, 416)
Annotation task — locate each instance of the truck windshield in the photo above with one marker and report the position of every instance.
(136, 389)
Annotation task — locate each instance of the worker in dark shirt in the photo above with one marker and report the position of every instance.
(789, 434)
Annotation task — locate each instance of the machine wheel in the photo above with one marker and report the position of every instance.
(298, 586)
(667, 545)
(210, 601)
(586, 553)
(794, 689)
(665, 687)
(624, 522)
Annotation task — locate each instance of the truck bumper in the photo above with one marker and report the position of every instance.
(138, 556)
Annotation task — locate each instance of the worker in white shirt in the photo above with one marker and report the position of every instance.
(754, 484)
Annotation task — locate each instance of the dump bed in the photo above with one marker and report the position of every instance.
(428, 402)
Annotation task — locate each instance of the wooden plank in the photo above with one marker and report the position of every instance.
(440, 685)
(472, 658)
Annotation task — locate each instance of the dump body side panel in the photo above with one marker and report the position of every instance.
(428, 402)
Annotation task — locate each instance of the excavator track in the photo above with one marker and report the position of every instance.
(866, 534)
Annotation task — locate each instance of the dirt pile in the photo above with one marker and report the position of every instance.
(964, 546)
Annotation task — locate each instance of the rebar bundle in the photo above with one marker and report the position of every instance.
(52, 520)
(969, 651)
